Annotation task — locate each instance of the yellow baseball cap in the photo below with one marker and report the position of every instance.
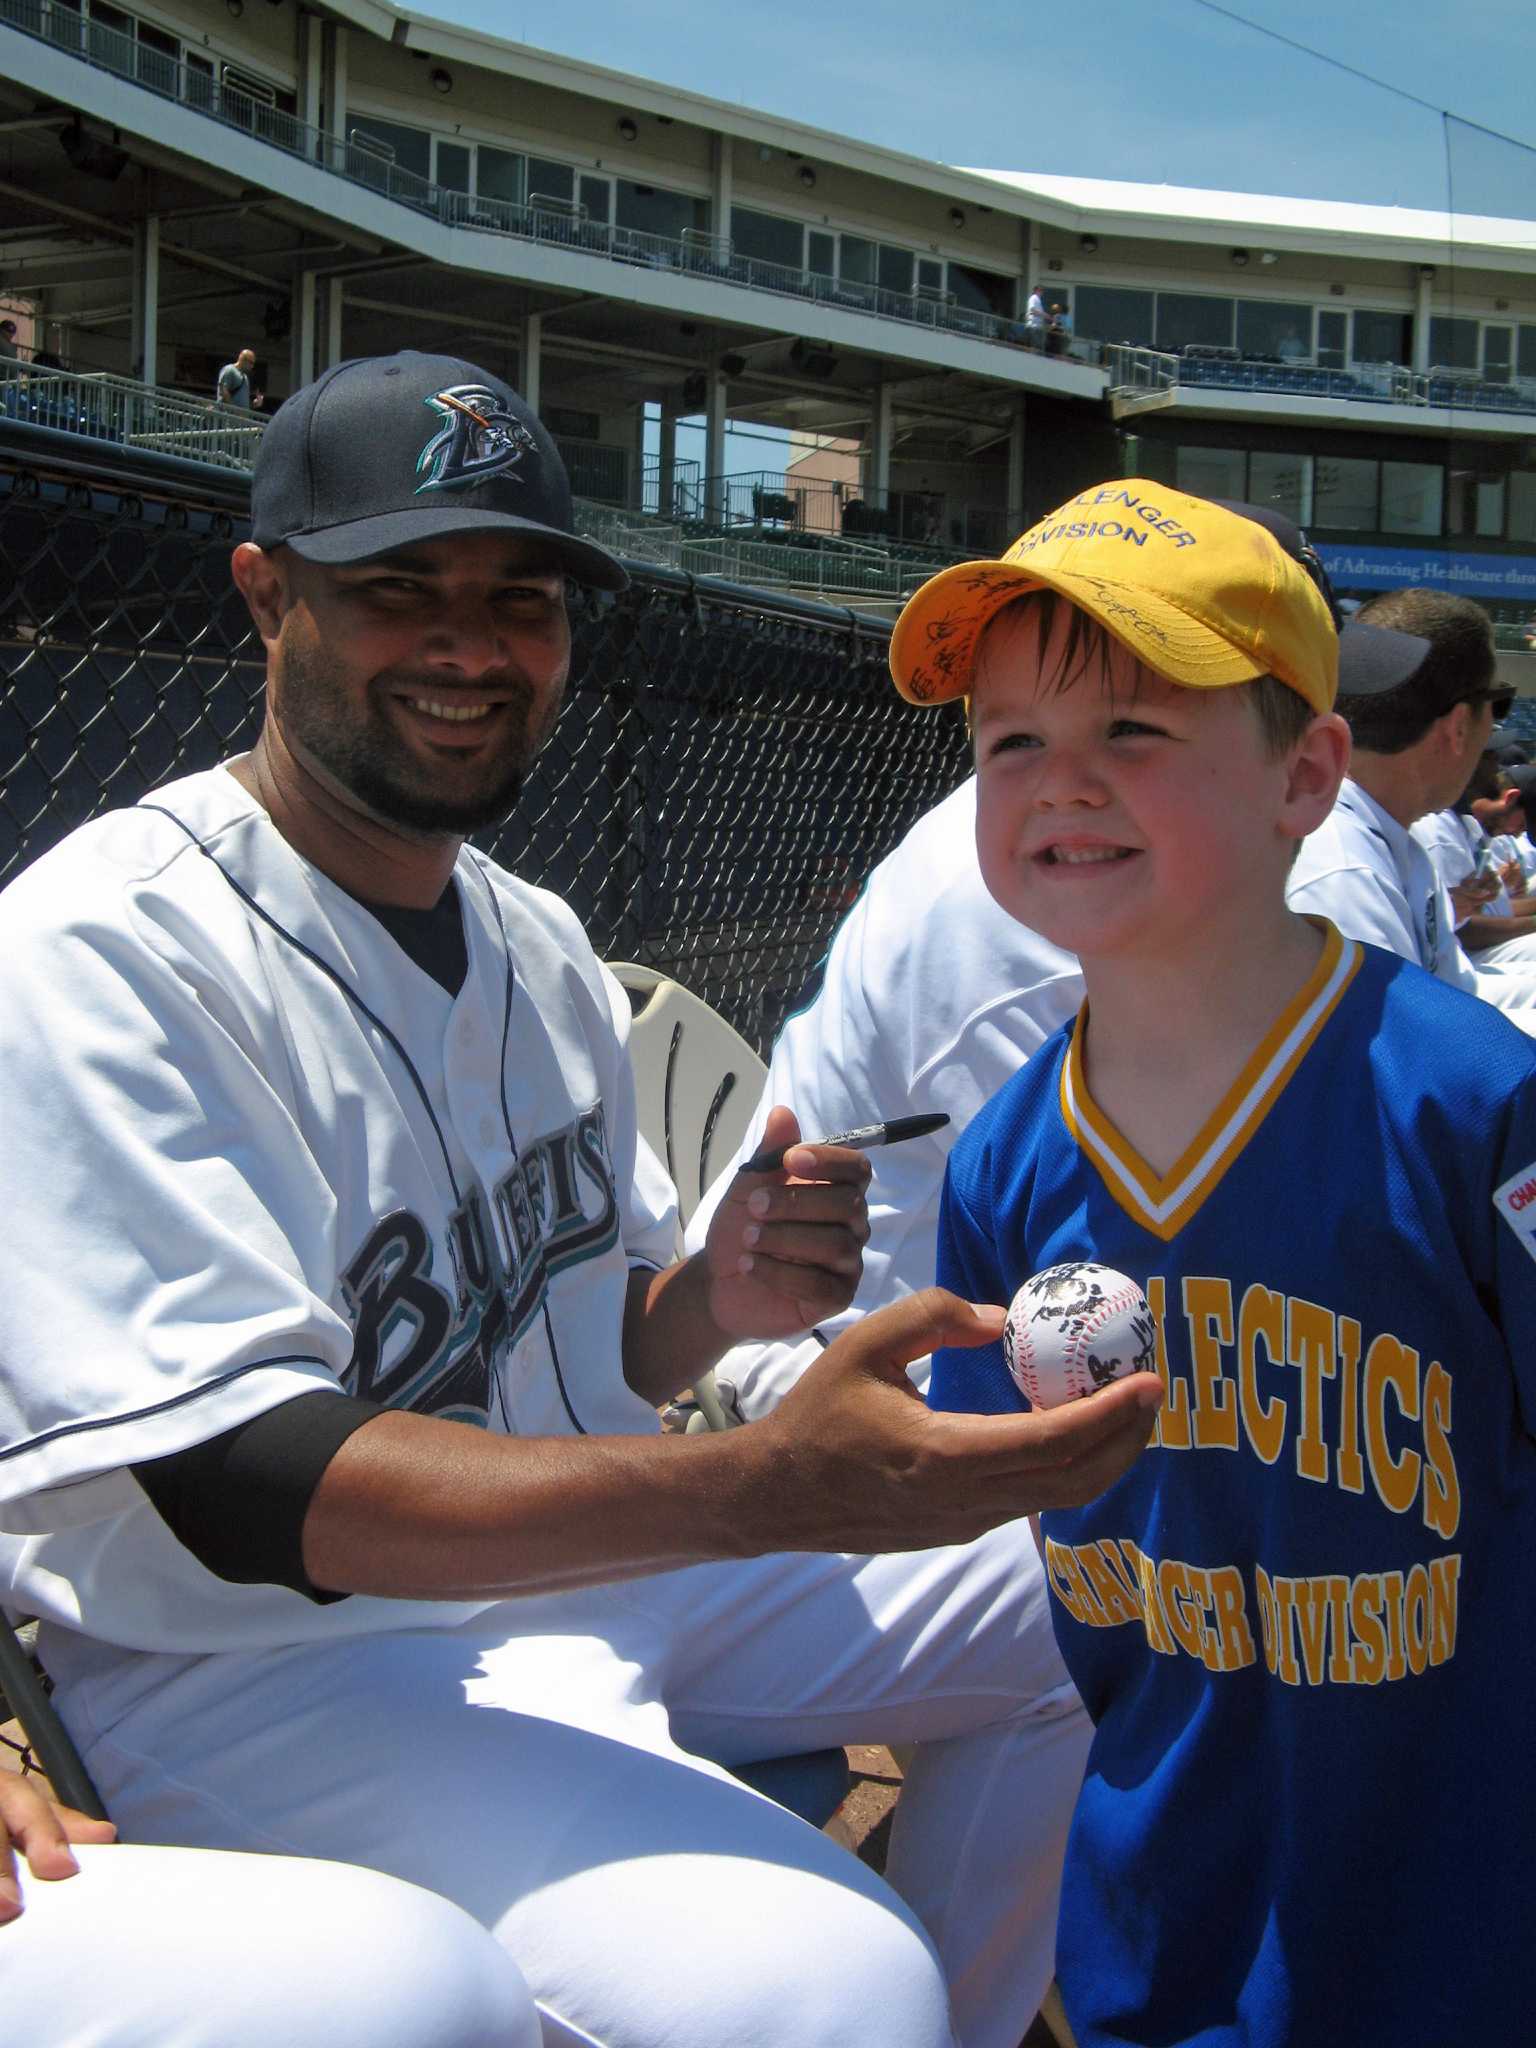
(1205, 594)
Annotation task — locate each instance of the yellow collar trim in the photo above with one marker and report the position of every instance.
(1164, 1204)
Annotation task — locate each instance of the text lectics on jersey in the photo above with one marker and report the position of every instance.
(1362, 1629)
(1380, 1388)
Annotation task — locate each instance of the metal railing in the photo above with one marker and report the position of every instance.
(107, 408)
(1139, 377)
(363, 160)
(670, 490)
(727, 767)
(596, 469)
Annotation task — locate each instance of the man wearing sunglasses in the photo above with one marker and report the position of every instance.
(1415, 749)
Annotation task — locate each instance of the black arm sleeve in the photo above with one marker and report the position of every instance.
(238, 1501)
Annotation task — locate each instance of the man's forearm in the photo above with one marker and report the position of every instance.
(419, 1509)
(1480, 931)
(670, 1338)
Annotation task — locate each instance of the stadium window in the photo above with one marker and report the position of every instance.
(1475, 504)
(1269, 330)
(1345, 493)
(453, 166)
(1383, 338)
(1498, 352)
(549, 180)
(652, 210)
(499, 174)
(895, 270)
(596, 195)
(1453, 344)
(158, 56)
(820, 252)
(1332, 339)
(768, 238)
(1110, 313)
(1188, 320)
(1525, 356)
(855, 260)
(1520, 523)
(412, 147)
(1412, 497)
(1283, 482)
(930, 274)
(980, 291)
(1213, 473)
(1490, 507)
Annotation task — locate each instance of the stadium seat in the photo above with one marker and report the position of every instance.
(24, 1698)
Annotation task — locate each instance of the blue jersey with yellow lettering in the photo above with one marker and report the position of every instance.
(1304, 1622)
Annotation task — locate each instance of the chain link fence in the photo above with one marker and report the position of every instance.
(728, 766)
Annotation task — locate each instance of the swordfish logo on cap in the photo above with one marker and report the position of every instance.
(479, 437)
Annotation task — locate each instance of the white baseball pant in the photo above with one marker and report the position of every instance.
(534, 1765)
(193, 1948)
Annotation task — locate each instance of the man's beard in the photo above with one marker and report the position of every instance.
(359, 749)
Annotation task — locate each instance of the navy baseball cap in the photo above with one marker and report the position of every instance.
(385, 451)
(1374, 659)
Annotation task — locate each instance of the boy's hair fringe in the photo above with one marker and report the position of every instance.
(1283, 714)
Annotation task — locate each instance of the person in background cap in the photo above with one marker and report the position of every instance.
(344, 1292)
(1511, 831)
(1313, 1160)
(1475, 851)
(1414, 750)
(1507, 750)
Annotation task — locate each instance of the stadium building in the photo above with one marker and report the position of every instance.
(768, 352)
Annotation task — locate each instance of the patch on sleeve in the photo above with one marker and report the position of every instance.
(1516, 1203)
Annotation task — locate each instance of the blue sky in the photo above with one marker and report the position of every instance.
(1161, 90)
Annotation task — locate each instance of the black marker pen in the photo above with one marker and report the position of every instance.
(889, 1133)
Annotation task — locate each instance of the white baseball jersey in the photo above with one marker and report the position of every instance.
(1454, 842)
(1368, 875)
(252, 1151)
(931, 999)
(1508, 846)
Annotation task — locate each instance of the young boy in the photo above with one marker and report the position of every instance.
(1302, 1622)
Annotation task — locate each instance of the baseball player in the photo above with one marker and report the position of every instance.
(344, 1297)
(1415, 748)
(1290, 1622)
(192, 1948)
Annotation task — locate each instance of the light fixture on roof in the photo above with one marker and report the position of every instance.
(1239, 259)
(957, 216)
(628, 127)
(807, 175)
(1427, 272)
(442, 81)
(1089, 244)
(1268, 256)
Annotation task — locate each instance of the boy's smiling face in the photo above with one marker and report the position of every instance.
(1119, 814)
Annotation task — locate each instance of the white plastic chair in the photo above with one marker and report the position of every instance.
(696, 1085)
(696, 1079)
(697, 1082)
